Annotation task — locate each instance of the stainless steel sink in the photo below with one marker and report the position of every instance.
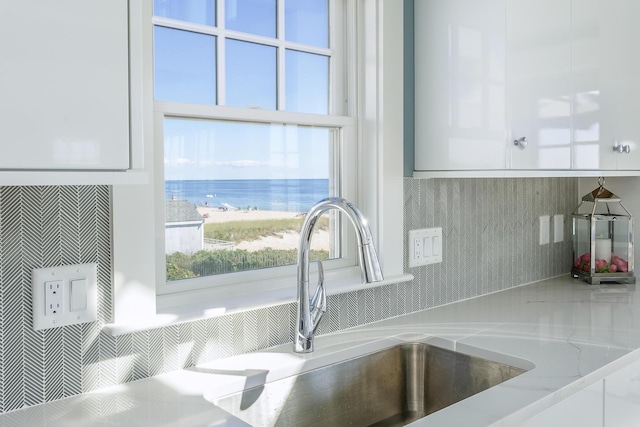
(391, 387)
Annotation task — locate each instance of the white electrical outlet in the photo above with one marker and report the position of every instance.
(64, 295)
(52, 297)
(416, 246)
(425, 246)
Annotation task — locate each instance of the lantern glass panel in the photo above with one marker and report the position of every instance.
(621, 243)
(581, 236)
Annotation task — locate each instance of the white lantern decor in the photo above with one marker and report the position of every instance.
(602, 239)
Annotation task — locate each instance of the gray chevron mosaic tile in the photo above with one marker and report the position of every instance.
(490, 229)
(490, 232)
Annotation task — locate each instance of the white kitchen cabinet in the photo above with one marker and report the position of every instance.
(584, 409)
(538, 65)
(522, 88)
(605, 98)
(628, 134)
(611, 402)
(622, 397)
(489, 73)
(594, 34)
(460, 84)
(64, 85)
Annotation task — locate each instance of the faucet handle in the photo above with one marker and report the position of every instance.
(319, 299)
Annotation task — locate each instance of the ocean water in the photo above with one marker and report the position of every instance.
(290, 195)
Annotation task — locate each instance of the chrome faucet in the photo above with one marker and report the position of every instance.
(310, 312)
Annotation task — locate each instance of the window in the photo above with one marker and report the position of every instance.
(252, 134)
(374, 95)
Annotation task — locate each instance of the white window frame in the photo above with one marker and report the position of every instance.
(345, 149)
(347, 155)
(378, 172)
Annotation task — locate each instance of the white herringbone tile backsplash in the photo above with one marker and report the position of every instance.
(490, 231)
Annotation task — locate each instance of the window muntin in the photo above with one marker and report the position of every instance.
(255, 72)
(196, 63)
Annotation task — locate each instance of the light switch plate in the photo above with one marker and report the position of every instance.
(558, 228)
(51, 310)
(545, 229)
(425, 246)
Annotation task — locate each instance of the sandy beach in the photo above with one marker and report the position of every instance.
(289, 240)
(217, 215)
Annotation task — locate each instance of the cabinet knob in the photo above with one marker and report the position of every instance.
(622, 149)
(521, 142)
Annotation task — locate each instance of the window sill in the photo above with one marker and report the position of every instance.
(203, 304)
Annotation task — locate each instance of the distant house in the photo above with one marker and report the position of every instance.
(183, 228)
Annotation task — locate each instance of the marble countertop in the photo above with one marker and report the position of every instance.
(566, 333)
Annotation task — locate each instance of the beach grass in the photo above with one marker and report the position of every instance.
(206, 263)
(246, 231)
(211, 262)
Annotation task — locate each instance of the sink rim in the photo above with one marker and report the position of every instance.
(326, 356)
(402, 343)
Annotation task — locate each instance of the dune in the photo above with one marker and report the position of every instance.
(287, 240)
(217, 215)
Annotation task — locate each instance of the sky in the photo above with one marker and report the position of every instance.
(185, 71)
(204, 149)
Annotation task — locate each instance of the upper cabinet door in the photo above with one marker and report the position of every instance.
(629, 82)
(460, 84)
(539, 83)
(606, 93)
(594, 62)
(64, 100)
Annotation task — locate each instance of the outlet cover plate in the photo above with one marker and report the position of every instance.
(558, 228)
(40, 277)
(425, 246)
(545, 229)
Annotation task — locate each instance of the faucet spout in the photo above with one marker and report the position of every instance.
(319, 300)
(310, 312)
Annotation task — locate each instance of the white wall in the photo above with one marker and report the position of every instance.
(185, 238)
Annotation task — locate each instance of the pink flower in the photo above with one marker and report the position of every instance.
(577, 262)
(586, 257)
(622, 265)
(613, 268)
(602, 266)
